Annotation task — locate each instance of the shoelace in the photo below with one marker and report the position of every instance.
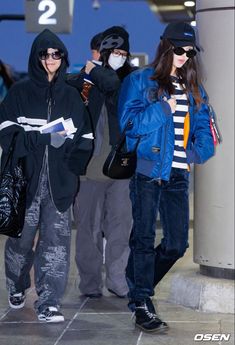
(17, 296)
(51, 311)
(132, 316)
(149, 314)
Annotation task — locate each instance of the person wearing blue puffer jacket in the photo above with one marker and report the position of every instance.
(167, 108)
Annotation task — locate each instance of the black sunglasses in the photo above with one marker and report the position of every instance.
(44, 55)
(180, 51)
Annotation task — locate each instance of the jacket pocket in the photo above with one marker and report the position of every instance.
(150, 145)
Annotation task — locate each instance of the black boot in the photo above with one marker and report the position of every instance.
(146, 320)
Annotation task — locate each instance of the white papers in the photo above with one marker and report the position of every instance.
(88, 136)
(62, 125)
(53, 126)
(59, 125)
(69, 126)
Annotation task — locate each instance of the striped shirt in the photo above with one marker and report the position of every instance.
(179, 158)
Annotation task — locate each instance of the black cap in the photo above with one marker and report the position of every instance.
(180, 35)
(115, 37)
(96, 41)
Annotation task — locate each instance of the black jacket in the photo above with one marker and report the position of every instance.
(34, 102)
(106, 88)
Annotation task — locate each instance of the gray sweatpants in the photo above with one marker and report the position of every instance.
(102, 208)
(50, 257)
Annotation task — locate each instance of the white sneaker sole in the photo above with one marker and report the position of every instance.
(20, 306)
(55, 319)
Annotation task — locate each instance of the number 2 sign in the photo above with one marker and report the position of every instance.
(56, 15)
(48, 9)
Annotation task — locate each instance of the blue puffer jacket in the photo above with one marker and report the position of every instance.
(152, 123)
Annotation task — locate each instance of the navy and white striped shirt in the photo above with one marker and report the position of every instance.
(179, 158)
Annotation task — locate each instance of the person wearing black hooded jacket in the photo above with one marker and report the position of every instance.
(102, 207)
(51, 189)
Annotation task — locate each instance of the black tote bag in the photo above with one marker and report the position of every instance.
(12, 196)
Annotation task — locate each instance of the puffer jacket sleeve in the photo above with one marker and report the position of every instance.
(27, 141)
(134, 106)
(76, 80)
(201, 146)
(105, 79)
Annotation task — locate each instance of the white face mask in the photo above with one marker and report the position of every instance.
(116, 61)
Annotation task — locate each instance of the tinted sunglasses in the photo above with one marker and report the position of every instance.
(44, 55)
(180, 51)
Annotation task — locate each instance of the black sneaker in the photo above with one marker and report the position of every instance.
(150, 305)
(147, 321)
(16, 300)
(51, 314)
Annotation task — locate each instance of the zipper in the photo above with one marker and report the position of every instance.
(49, 110)
(46, 151)
(45, 159)
(159, 180)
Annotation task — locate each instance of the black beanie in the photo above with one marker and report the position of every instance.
(96, 41)
(115, 37)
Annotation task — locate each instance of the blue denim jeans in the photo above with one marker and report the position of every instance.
(147, 264)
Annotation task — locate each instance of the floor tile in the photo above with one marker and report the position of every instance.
(105, 321)
(99, 338)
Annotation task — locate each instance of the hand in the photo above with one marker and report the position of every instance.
(89, 66)
(172, 103)
(63, 133)
(57, 140)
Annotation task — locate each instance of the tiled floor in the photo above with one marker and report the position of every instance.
(106, 321)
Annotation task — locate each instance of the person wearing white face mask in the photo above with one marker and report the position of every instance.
(102, 209)
(115, 50)
(117, 59)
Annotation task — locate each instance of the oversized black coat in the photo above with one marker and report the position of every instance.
(34, 102)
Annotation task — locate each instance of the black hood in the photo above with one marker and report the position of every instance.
(46, 39)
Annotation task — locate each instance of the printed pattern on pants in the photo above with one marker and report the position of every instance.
(45, 244)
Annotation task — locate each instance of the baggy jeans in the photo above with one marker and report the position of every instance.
(147, 264)
(50, 257)
(103, 208)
